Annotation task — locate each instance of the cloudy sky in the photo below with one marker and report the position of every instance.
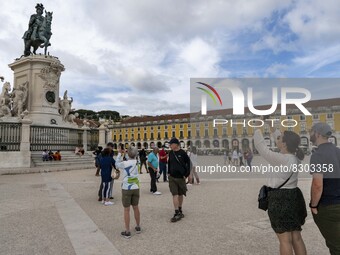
(137, 57)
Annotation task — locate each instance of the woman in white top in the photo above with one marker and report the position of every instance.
(286, 206)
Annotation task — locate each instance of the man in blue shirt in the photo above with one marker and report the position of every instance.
(153, 169)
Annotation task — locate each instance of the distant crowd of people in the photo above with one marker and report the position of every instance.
(235, 157)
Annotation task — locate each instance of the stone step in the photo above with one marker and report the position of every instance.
(67, 159)
(44, 169)
(59, 163)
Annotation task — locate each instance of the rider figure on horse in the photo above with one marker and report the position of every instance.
(34, 24)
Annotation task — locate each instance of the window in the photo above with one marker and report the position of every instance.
(181, 134)
(234, 131)
(151, 136)
(166, 135)
(329, 115)
(173, 134)
(206, 133)
(215, 132)
(197, 133)
(138, 136)
(302, 117)
(189, 134)
(315, 117)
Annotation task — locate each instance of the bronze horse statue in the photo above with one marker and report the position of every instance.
(43, 36)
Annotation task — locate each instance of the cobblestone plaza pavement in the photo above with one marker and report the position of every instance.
(58, 213)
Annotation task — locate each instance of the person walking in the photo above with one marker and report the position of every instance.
(109, 146)
(106, 164)
(325, 188)
(193, 173)
(286, 205)
(163, 161)
(179, 166)
(235, 157)
(240, 156)
(130, 188)
(142, 158)
(153, 169)
(249, 157)
(97, 154)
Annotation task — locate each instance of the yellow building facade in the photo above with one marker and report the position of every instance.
(199, 131)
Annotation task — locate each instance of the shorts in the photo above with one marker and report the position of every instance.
(130, 197)
(177, 186)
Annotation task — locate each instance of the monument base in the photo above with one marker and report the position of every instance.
(42, 74)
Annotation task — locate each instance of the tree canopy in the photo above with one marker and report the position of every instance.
(92, 115)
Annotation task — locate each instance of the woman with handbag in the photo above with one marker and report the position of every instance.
(286, 205)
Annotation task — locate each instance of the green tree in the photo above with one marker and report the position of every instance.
(107, 114)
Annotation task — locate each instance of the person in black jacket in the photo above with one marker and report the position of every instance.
(98, 153)
(179, 166)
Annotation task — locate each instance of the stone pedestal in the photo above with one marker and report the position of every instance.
(43, 74)
(86, 129)
(102, 136)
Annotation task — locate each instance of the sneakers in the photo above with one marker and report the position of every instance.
(176, 217)
(138, 229)
(125, 234)
(181, 215)
(109, 203)
(157, 193)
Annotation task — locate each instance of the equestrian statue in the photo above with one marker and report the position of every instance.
(39, 31)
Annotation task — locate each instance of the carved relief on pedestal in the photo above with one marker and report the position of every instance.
(51, 75)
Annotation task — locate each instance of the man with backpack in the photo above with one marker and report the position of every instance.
(179, 166)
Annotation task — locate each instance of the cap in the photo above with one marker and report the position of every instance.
(174, 140)
(323, 129)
